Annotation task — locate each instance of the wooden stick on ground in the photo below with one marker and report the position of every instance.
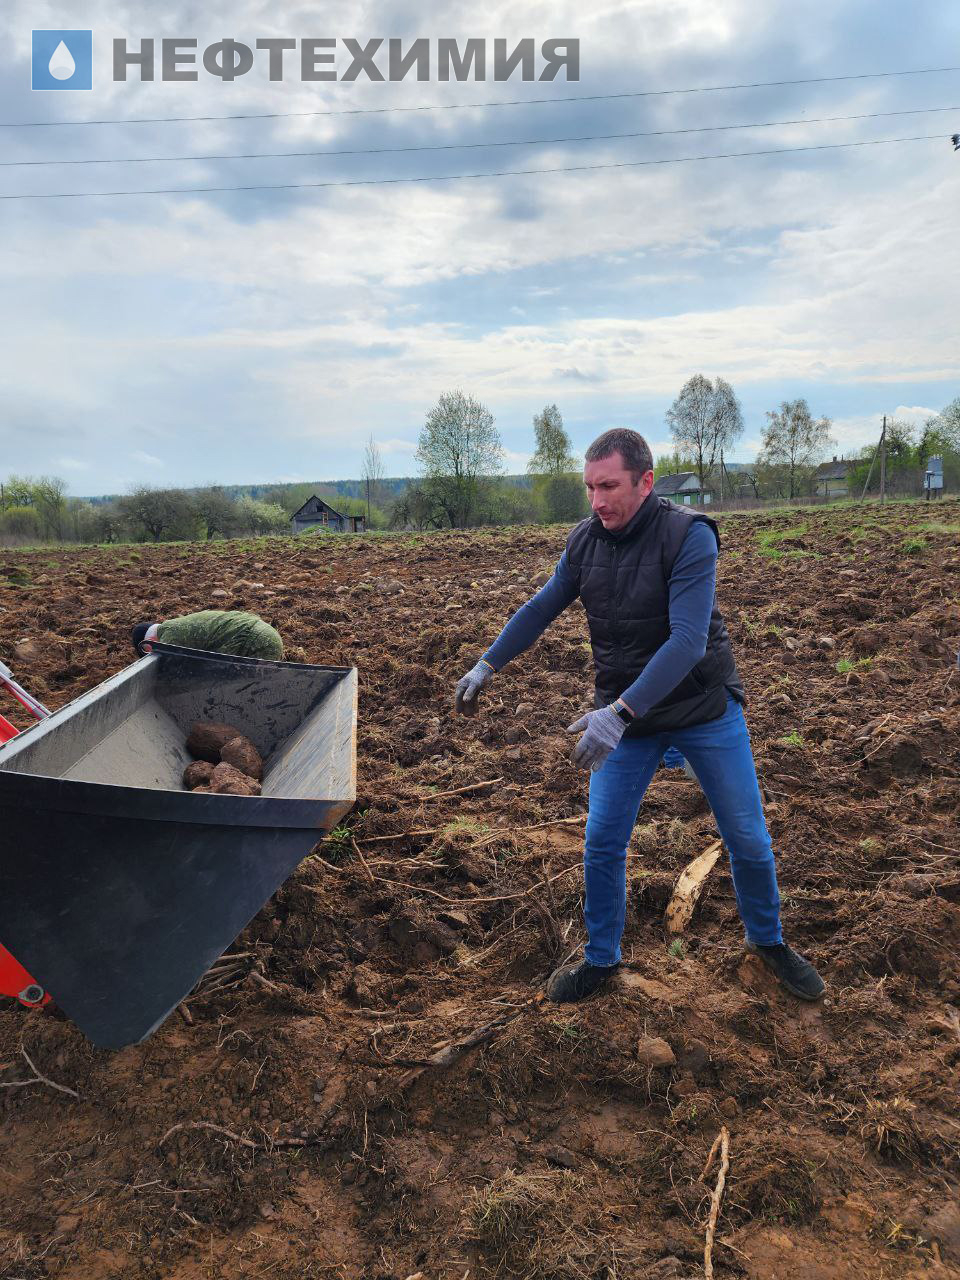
(456, 902)
(267, 1144)
(432, 831)
(450, 1053)
(38, 1078)
(356, 850)
(689, 887)
(216, 1128)
(262, 981)
(457, 791)
(723, 1142)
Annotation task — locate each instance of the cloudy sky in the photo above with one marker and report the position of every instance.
(265, 335)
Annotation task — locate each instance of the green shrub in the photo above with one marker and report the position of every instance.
(20, 522)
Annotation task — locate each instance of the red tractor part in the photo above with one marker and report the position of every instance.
(16, 982)
(32, 704)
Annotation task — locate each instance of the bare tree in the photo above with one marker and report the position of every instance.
(372, 474)
(705, 420)
(459, 450)
(793, 443)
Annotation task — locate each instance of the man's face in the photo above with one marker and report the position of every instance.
(614, 494)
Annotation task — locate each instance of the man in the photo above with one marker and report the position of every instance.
(216, 631)
(645, 571)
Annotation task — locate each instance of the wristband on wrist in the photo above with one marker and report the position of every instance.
(622, 710)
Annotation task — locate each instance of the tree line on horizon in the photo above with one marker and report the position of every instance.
(463, 481)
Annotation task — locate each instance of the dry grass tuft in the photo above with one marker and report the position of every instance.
(890, 1128)
(539, 1227)
(778, 1178)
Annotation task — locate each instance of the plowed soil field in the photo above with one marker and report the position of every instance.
(373, 1086)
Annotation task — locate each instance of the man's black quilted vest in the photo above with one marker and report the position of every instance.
(624, 586)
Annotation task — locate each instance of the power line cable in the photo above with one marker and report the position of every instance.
(473, 146)
(471, 106)
(458, 177)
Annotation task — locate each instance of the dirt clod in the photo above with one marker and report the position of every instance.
(243, 755)
(654, 1052)
(207, 739)
(226, 780)
(196, 774)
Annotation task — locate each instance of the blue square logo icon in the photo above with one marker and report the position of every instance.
(62, 60)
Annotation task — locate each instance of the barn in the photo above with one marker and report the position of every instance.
(317, 514)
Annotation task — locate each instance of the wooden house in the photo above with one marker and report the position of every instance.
(317, 514)
(831, 478)
(683, 488)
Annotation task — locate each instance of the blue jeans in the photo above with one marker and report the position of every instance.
(720, 753)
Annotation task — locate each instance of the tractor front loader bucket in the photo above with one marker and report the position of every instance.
(118, 889)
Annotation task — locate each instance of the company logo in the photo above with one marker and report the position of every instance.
(346, 58)
(62, 60)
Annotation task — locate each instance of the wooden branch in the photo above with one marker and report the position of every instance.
(403, 835)
(689, 887)
(216, 1128)
(723, 1141)
(258, 977)
(356, 850)
(450, 1053)
(38, 1078)
(457, 791)
(459, 902)
(432, 831)
(267, 1144)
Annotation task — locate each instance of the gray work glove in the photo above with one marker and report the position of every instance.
(602, 731)
(469, 686)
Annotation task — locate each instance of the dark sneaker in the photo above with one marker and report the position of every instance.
(577, 981)
(793, 972)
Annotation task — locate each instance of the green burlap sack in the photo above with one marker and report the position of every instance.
(220, 632)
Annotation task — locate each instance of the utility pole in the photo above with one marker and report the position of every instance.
(368, 502)
(883, 436)
(721, 477)
(883, 461)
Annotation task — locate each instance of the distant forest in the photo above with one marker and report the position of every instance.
(390, 487)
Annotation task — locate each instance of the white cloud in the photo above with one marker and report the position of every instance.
(397, 446)
(914, 413)
(72, 464)
(853, 432)
(515, 460)
(326, 317)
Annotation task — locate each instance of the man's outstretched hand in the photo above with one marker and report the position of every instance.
(469, 686)
(602, 731)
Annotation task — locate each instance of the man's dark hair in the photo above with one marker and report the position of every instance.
(630, 445)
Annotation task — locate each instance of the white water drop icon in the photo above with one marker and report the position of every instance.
(61, 65)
